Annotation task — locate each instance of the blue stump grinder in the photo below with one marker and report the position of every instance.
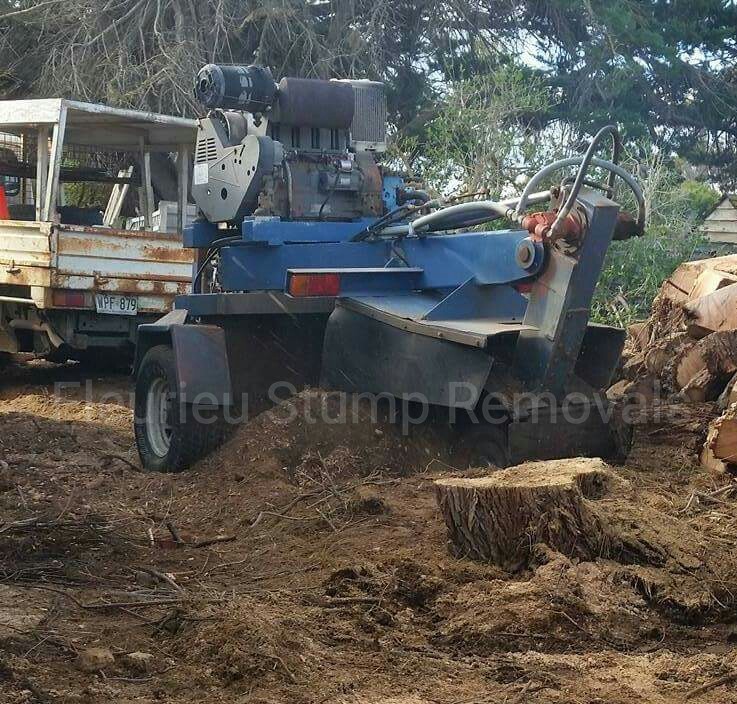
(317, 266)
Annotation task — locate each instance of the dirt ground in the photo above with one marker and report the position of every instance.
(308, 562)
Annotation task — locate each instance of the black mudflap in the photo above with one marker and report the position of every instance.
(273, 356)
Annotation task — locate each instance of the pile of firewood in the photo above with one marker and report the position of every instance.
(687, 350)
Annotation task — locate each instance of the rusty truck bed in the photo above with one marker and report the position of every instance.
(45, 257)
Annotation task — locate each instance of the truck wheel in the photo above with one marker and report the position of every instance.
(169, 437)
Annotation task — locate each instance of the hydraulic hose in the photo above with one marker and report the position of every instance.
(289, 184)
(524, 199)
(407, 195)
(213, 248)
(477, 212)
(568, 180)
(472, 209)
(400, 213)
(616, 153)
(583, 169)
(453, 217)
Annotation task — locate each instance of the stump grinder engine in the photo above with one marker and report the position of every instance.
(316, 266)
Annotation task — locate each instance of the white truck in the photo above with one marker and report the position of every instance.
(76, 279)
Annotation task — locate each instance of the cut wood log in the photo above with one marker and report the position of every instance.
(644, 390)
(686, 423)
(714, 312)
(658, 357)
(639, 333)
(710, 280)
(709, 364)
(681, 282)
(618, 390)
(724, 442)
(663, 352)
(500, 517)
(677, 287)
(707, 458)
(634, 367)
(726, 263)
(661, 358)
(729, 395)
(703, 386)
(666, 318)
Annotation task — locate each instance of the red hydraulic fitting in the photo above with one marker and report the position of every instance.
(539, 224)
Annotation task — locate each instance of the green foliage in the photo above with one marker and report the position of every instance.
(483, 130)
(700, 197)
(87, 195)
(484, 134)
(656, 67)
(634, 271)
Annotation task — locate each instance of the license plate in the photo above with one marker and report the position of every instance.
(113, 304)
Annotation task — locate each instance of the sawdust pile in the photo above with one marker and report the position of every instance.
(575, 606)
(312, 564)
(317, 431)
(359, 599)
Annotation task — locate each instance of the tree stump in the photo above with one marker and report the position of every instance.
(500, 517)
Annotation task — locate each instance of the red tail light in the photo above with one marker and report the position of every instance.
(69, 299)
(300, 285)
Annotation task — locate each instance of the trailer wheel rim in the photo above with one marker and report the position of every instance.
(158, 407)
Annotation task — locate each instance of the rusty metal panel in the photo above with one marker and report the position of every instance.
(151, 265)
(122, 284)
(26, 253)
(154, 296)
(25, 275)
(25, 243)
(112, 253)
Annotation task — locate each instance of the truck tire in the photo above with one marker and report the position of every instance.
(170, 438)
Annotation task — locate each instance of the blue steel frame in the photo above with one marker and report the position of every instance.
(268, 249)
(462, 281)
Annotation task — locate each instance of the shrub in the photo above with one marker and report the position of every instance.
(634, 271)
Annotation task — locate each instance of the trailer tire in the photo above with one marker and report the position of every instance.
(170, 437)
